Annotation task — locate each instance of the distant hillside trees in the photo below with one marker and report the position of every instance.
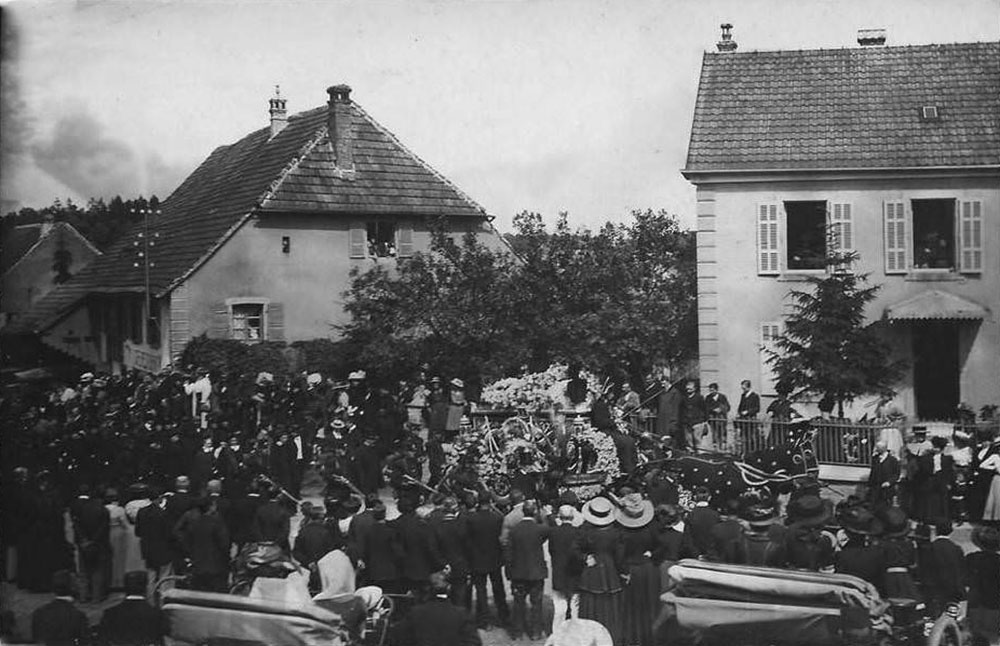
(100, 222)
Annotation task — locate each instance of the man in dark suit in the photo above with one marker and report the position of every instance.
(700, 522)
(381, 553)
(273, 522)
(208, 542)
(315, 539)
(134, 621)
(91, 532)
(423, 557)
(59, 622)
(438, 622)
(935, 473)
(152, 526)
(883, 477)
(717, 406)
(941, 569)
(527, 571)
(486, 559)
(452, 534)
(693, 414)
(567, 563)
(748, 409)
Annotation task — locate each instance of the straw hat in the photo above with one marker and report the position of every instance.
(986, 538)
(635, 511)
(457, 383)
(599, 511)
(357, 375)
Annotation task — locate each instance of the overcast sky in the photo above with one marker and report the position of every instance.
(582, 106)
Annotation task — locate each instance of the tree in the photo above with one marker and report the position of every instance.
(827, 348)
(619, 300)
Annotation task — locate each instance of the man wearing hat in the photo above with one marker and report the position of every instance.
(858, 557)
(457, 407)
(808, 546)
(91, 531)
(764, 540)
(438, 622)
(60, 622)
(941, 568)
(452, 532)
(699, 523)
(527, 571)
(983, 567)
(134, 620)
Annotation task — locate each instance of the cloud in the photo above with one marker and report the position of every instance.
(80, 155)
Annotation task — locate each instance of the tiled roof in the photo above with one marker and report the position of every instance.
(16, 243)
(848, 108)
(292, 171)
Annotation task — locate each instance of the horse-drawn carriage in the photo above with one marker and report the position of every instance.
(714, 603)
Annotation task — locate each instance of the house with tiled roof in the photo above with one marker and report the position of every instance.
(895, 150)
(258, 243)
(35, 259)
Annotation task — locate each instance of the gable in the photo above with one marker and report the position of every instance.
(848, 108)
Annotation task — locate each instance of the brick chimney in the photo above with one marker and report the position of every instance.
(871, 37)
(279, 116)
(727, 44)
(340, 124)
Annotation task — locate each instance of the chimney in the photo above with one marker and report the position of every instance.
(279, 117)
(871, 37)
(340, 124)
(727, 44)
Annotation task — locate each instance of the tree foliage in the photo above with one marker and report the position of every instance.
(101, 223)
(621, 299)
(827, 347)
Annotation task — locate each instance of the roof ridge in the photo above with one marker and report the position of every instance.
(420, 161)
(292, 164)
(851, 48)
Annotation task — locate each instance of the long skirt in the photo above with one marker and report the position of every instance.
(642, 603)
(991, 511)
(601, 598)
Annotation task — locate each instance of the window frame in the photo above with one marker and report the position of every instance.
(263, 303)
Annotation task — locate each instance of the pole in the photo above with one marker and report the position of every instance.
(145, 257)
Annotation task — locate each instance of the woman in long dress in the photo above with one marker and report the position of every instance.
(118, 531)
(601, 597)
(642, 586)
(991, 510)
(133, 547)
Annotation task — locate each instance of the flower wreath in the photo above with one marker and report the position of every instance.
(607, 461)
(494, 455)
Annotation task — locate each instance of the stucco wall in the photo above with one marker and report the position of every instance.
(33, 277)
(308, 282)
(734, 300)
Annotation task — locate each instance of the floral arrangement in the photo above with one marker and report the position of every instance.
(605, 460)
(532, 391)
(494, 455)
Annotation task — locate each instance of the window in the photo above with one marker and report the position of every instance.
(941, 234)
(381, 239)
(933, 234)
(247, 321)
(805, 235)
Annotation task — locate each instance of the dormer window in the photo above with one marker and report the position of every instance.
(929, 113)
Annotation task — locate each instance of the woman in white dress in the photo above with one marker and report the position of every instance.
(118, 531)
(133, 548)
(991, 511)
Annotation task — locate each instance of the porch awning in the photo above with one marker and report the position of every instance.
(935, 304)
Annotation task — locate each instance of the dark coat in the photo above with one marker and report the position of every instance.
(452, 534)
(420, 547)
(866, 563)
(484, 533)
(273, 523)
(208, 541)
(91, 522)
(59, 623)
(883, 471)
(177, 504)
(749, 405)
(693, 410)
(152, 526)
(133, 622)
(438, 623)
(983, 569)
(567, 559)
(242, 517)
(698, 529)
(941, 567)
(383, 553)
(313, 542)
(361, 526)
(525, 558)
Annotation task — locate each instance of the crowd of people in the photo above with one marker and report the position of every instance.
(184, 472)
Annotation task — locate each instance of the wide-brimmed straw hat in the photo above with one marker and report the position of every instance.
(599, 511)
(809, 511)
(635, 511)
(986, 538)
(457, 383)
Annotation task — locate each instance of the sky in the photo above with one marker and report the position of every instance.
(582, 106)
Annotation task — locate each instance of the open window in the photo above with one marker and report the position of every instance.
(934, 234)
(805, 235)
(381, 239)
(247, 321)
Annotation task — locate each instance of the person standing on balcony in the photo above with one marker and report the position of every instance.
(883, 476)
(694, 418)
(746, 411)
(718, 412)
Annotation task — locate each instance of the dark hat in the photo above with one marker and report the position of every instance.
(63, 583)
(858, 520)
(895, 522)
(986, 538)
(135, 582)
(668, 514)
(809, 511)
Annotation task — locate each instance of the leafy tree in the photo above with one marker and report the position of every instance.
(827, 347)
(621, 299)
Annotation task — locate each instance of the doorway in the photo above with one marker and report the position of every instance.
(936, 369)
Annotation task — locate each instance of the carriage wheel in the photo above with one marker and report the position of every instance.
(945, 632)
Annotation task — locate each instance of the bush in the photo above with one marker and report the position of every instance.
(228, 355)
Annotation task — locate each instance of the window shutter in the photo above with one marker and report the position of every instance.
(219, 328)
(358, 240)
(767, 239)
(896, 237)
(275, 322)
(970, 236)
(842, 220)
(404, 240)
(769, 333)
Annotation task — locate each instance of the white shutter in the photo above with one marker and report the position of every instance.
(896, 237)
(970, 232)
(768, 252)
(842, 221)
(358, 240)
(404, 240)
(769, 333)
